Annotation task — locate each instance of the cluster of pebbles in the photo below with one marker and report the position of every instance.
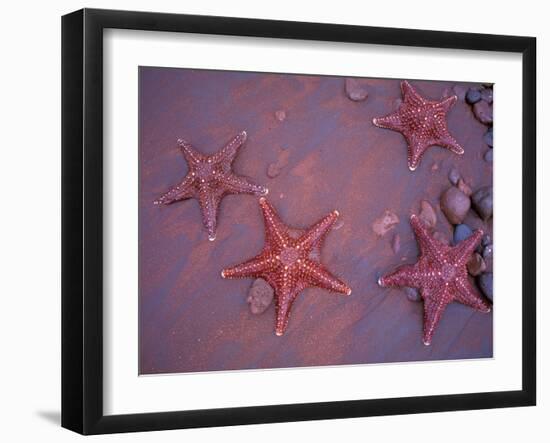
(481, 101)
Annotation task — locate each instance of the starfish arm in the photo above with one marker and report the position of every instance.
(434, 306)
(415, 151)
(209, 202)
(410, 95)
(190, 154)
(467, 295)
(284, 299)
(405, 275)
(318, 276)
(449, 142)
(315, 235)
(275, 230)
(427, 244)
(462, 252)
(230, 150)
(391, 121)
(185, 189)
(237, 184)
(256, 267)
(447, 104)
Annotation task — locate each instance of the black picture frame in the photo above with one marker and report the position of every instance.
(82, 220)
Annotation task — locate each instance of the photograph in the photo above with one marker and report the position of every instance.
(300, 220)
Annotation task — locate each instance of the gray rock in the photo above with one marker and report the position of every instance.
(413, 294)
(486, 240)
(454, 176)
(455, 205)
(355, 90)
(488, 137)
(482, 201)
(484, 112)
(485, 283)
(462, 232)
(489, 156)
(260, 296)
(473, 96)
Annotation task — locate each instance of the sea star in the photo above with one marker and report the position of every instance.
(422, 122)
(209, 179)
(440, 274)
(289, 263)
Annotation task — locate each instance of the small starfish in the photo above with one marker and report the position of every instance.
(440, 274)
(422, 122)
(289, 263)
(210, 178)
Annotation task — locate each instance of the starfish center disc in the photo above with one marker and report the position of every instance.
(289, 256)
(448, 272)
(205, 170)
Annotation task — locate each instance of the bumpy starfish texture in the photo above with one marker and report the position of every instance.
(289, 263)
(422, 123)
(210, 178)
(440, 274)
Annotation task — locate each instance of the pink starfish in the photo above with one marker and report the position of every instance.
(441, 275)
(422, 123)
(210, 178)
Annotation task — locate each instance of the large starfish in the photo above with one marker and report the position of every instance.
(209, 179)
(289, 263)
(422, 123)
(441, 275)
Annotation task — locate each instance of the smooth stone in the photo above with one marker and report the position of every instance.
(487, 95)
(355, 90)
(455, 205)
(476, 265)
(462, 232)
(260, 296)
(484, 112)
(473, 96)
(464, 187)
(486, 240)
(489, 156)
(482, 201)
(488, 137)
(485, 282)
(427, 214)
(454, 176)
(413, 294)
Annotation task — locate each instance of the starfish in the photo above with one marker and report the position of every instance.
(440, 274)
(422, 123)
(209, 179)
(289, 263)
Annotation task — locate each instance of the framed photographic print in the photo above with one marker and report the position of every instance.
(270, 221)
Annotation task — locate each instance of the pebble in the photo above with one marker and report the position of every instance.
(476, 265)
(486, 240)
(385, 223)
(275, 168)
(455, 205)
(473, 96)
(484, 112)
(454, 176)
(485, 282)
(482, 201)
(462, 232)
(413, 294)
(260, 296)
(355, 90)
(488, 137)
(427, 214)
(464, 187)
(280, 115)
(489, 156)
(487, 95)
(396, 243)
